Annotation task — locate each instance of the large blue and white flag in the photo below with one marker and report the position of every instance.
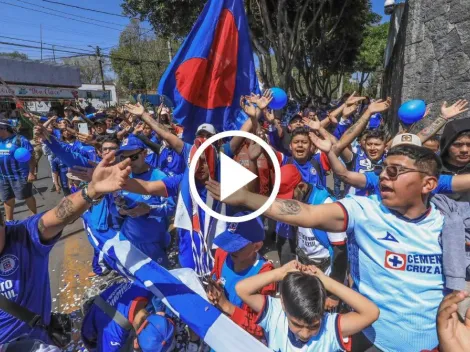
(216, 329)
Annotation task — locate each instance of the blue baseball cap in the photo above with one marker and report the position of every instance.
(131, 143)
(158, 335)
(240, 234)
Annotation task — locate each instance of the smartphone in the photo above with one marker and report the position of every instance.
(83, 128)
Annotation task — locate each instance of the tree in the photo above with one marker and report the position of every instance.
(89, 68)
(314, 39)
(140, 58)
(15, 55)
(371, 52)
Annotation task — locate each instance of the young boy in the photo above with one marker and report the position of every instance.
(237, 258)
(297, 321)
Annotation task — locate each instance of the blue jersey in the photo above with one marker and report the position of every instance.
(61, 169)
(98, 328)
(10, 168)
(397, 264)
(312, 171)
(342, 127)
(230, 278)
(362, 164)
(24, 277)
(151, 227)
(444, 185)
(170, 162)
(276, 326)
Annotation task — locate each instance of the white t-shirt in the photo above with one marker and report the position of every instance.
(281, 339)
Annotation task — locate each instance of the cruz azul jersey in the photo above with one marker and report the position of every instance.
(24, 277)
(280, 339)
(397, 264)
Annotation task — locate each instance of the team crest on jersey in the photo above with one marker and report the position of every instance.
(169, 159)
(395, 261)
(313, 171)
(146, 197)
(232, 227)
(9, 264)
(8, 145)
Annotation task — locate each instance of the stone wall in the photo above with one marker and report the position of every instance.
(436, 52)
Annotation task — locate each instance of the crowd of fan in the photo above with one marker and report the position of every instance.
(381, 262)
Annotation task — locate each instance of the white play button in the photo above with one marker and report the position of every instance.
(233, 176)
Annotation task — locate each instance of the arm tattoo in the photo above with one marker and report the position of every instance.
(41, 226)
(432, 129)
(65, 210)
(288, 207)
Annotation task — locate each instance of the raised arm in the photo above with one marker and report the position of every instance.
(447, 113)
(105, 179)
(327, 217)
(174, 142)
(355, 130)
(154, 188)
(461, 183)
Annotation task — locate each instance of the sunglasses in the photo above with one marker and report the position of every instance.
(133, 157)
(393, 171)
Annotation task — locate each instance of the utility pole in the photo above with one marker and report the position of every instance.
(98, 55)
(53, 52)
(40, 29)
(170, 53)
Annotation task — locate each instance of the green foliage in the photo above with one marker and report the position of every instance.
(140, 58)
(15, 55)
(372, 50)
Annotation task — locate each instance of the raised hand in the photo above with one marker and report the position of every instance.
(263, 101)
(138, 128)
(248, 107)
(291, 267)
(83, 173)
(379, 106)
(85, 138)
(324, 145)
(349, 110)
(312, 124)
(354, 99)
(136, 109)
(449, 112)
(454, 336)
(108, 178)
(41, 132)
(269, 115)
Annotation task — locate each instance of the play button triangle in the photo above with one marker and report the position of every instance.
(233, 176)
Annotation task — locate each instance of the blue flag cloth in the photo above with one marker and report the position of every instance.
(214, 327)
(211, 71)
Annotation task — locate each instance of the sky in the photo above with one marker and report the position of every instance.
(25, 24)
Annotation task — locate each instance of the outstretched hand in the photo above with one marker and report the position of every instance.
(236, 198)
(136, 109)
(354, 99)
(324, 145)
(449, 112)
(454, 336)
(312, 124)
(246, 103)
(108, 178)
(380, 106)
(263, 101)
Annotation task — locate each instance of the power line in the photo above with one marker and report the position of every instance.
(82, 54)
(36, 41)
(71, 14)
(52, 14)
(84, 8)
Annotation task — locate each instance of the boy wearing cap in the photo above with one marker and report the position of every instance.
(237, 258)
(130, 306)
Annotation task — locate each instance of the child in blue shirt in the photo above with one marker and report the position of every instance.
(297, 321)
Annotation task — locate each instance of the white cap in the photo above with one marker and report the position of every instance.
(206, 127)
(406, 138)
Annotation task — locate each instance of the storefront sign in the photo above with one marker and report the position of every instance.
(53, 93)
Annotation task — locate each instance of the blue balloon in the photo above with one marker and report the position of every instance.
(22, 155)
(412, 111)
(279, 99)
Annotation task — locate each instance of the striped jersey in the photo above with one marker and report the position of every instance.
(10, 168)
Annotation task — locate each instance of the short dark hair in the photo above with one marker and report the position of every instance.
(108, 139)
(463, 134)
(300, 130)
(435, 138)
(303, 296)
(377, 134)
(424, 158)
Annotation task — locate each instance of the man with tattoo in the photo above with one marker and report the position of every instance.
(396, 256)
(25, 247)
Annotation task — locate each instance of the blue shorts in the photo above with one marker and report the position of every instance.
(15, 188)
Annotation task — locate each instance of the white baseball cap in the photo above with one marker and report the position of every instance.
(406, 138)
(206, 127)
